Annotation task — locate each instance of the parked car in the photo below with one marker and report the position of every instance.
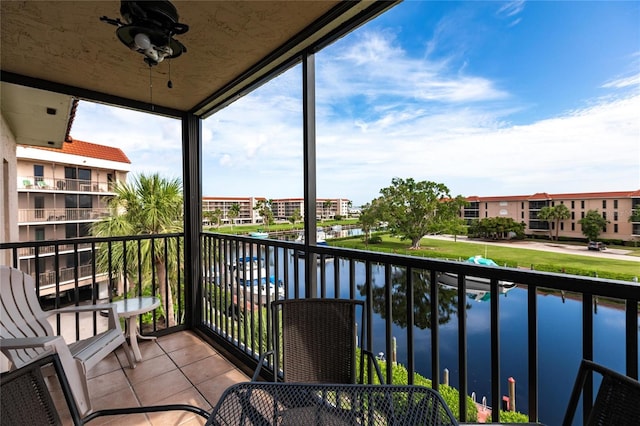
(596, 245)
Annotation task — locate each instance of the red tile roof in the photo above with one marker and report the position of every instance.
(546, 196)
(92, 150)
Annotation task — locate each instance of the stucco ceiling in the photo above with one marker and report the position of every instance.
(65, 42)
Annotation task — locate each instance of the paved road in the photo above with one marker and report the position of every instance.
(580, 250)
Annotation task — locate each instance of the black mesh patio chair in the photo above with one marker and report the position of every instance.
(617, 402)
(316, 339)
(270, 403)
(25, 398)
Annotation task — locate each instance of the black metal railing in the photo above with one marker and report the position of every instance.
(239, 319)
(99, 270)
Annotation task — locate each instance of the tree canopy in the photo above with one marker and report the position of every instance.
(149, 205)
(496, 228)
(233, 213)
(263, 207)
(554, 214)
(414, 209)
(592, 224)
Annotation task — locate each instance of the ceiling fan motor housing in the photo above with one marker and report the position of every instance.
(149, 27)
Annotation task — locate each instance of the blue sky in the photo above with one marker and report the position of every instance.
(489, 98)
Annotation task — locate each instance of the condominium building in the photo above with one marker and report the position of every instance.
(61, 192)
(616, 207)
(282, 208)
(246, 212)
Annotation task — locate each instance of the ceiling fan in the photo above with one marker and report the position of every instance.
(148, 27)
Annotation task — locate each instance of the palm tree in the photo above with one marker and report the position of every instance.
(233, 213)
(150, 205)
(555, 214)
(326, 205)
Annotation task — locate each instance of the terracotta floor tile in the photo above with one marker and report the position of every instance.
(157, 380)
(150, 368)
(108, 383)
(212, 389)
(191, 354)
(160, 387)
(208, 368)
(175, 341)
(107, 365)
(119, 399)
(150, 349)
(190, 397)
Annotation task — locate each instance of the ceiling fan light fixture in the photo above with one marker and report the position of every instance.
(148, 28)
(142, 41)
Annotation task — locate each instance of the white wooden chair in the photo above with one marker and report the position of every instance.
(26, 335)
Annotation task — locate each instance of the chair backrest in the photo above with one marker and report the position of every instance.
(20, 313)
(25, 397)
(318, 340)
(264, 403)
(617, 402)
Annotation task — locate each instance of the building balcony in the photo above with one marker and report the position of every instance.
(425, 339)
(40, 184)
(47, 216)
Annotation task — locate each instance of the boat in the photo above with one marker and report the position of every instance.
(320, 241)
(253, 278)
(259, 234)
(475, 283)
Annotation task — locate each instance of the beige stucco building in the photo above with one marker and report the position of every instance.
(60, 193)
(616, 207)
(283, 208)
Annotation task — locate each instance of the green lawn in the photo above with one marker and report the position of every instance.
(510, 256)
(245, 229)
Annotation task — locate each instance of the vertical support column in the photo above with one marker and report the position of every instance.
(631, 319)
(309, 139)
(192, 193)
(435, 337)
(495, 349)
(532, 333)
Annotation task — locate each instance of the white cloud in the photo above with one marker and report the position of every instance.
(381, 114)
(511, 8)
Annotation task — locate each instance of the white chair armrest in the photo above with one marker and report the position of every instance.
(109, 307)
(29, 342)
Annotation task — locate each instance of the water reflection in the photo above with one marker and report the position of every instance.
(447, 303)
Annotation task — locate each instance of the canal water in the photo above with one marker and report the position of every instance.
(559, 337)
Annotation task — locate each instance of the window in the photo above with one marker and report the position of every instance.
(486, 205)
(39, 233)
(522, 205)
(70, 175)
(38, 205)
(553, 204)
(573, 215)
(604, 215)
(573, 226)
(84, 176)
(604, 204)
(521, 215)
(38, 172)
(84, 229)
(71, 230)
(582, 204)
(615, 227)
(562, 226)
(615, 215)
(581, 215)
(573, 204)
(615, 204)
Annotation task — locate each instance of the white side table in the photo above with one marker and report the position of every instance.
(130, 309)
